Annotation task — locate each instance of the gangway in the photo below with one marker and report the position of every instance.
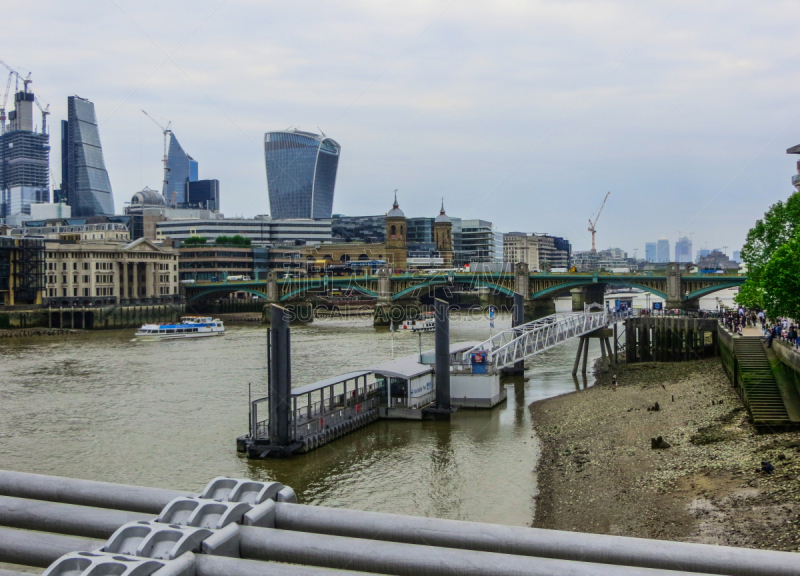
(520, 342)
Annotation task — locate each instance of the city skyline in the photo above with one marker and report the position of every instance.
(407, 111)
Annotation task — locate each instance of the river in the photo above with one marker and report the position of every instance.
(101, 406)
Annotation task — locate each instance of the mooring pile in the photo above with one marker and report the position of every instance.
(245, 528)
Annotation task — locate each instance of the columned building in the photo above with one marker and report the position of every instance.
(103, 272)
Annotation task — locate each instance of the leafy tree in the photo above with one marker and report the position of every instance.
(195, 241)
(781, 281)
(237, 240)
(770, 233)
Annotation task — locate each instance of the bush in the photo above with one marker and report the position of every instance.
(194, 241)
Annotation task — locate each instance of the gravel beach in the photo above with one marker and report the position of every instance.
(599, 473)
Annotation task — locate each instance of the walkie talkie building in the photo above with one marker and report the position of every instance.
(301, 174)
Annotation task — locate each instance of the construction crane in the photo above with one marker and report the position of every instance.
(5, 100)
(25, 81)
(166, 132)
(592, 224)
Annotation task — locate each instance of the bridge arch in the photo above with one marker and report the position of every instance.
(440, 281)
(553, 290)
(355, 287)
(711, 289)
(224, 290)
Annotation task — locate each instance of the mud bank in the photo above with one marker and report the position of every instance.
(599, 473)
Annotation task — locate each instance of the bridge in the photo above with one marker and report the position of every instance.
(397, 291)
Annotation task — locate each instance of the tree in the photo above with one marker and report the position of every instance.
(777, 228)
(781, 281)
(237, 240)
(194, 241)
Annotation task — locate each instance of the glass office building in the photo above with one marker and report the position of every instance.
(301, 174)
(181, 169)
(83, 171)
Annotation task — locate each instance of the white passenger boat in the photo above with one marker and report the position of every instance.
(189, 327)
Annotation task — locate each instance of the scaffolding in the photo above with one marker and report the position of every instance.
(22, 262)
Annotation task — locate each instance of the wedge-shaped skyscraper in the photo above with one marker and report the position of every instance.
(181, 169)
(84, 178)
(301, 174)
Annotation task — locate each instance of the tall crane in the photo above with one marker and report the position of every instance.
(3, 107)
(592, 224)
(166, 132)
(25, 81)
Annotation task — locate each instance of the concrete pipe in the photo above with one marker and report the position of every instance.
(40, 548)
(64, 518)
(618, 550)
(86, 492)
(222, 566)
(397, 559)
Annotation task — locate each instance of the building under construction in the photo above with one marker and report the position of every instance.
(21, 271)
(24, 158)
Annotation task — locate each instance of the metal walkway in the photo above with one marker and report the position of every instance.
(514, 344)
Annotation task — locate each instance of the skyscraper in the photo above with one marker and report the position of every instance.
(181, 169)
(683, 250)
(662, 250)
(301, 174)
(650, 251)
(24, 160)
(83, 171)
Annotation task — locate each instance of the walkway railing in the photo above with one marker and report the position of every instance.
(514, 344)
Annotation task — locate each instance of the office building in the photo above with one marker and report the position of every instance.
(24, 161)
(301, 174)
(211, 261)
(716, 260)
(477, 241)
(662, 250)
(737, 256)
(420, 230)
(702, 253)
(683, 250)
(96, 228)
(102, 272)
(538, 251)
(21, 271)
(368, 229)
(650, 252)
(262, 230)
(181, 169)
(202, 195)
(84, 178)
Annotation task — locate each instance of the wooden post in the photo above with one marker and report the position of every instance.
(585, 353)
(616, 346)
(578, 356)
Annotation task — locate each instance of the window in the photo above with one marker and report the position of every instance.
(64, 266)
(74, 265)
(64, 291)
(64, 281)
(74, 279)
(74, 292)
(85, 291)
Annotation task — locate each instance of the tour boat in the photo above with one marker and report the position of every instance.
(420, 325)
(189, 327)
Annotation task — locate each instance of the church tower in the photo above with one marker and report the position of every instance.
(396, 226)
(443, 237)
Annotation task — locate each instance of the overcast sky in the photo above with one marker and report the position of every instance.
(523, 113)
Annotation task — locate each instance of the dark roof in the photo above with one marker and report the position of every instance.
(793, 150)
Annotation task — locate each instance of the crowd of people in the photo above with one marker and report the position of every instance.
(783, 329)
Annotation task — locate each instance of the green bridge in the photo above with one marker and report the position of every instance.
(677, 287)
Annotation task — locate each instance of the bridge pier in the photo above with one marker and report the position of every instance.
(535, 309)
(591, 294)
(300, 312)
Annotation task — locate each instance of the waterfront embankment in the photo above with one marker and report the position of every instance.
(599, 473)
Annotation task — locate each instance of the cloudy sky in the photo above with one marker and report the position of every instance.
(523, 113)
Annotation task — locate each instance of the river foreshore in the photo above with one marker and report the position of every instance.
(599, 473)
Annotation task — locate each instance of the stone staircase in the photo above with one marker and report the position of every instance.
(760, 392)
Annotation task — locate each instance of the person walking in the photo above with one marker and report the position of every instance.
(614, 382)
